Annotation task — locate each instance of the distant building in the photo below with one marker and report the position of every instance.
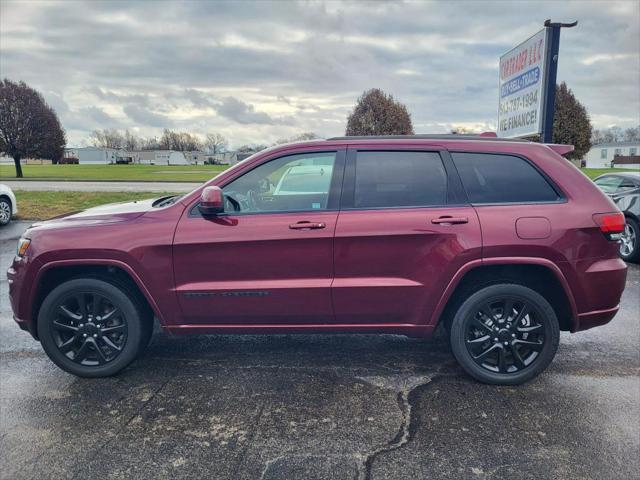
(201, 158)
(158, 157)
(603, 154)
(95, 155)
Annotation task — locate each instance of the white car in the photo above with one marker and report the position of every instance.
(8, 205)
(304, 179)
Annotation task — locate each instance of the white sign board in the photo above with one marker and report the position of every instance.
(522, 88)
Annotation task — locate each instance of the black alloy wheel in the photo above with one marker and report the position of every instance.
(91, 327)
(504, 334)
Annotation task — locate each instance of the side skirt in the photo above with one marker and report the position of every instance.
(409, 330)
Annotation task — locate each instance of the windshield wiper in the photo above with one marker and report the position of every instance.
(164, 201)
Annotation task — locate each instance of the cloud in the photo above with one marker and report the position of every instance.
(261, 71)
(146, 117)
(97, 115)
(120, 98)
(241, 112)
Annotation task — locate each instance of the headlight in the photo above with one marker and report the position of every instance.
(23, 246)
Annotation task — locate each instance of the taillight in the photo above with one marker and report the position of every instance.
(610, 224)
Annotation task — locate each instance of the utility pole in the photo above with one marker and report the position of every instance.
(551, 69)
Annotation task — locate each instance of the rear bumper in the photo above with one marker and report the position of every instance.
(602, 283)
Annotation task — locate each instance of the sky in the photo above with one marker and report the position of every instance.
(257, 72)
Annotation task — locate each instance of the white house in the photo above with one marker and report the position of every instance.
(95, 155)
(158, 157)
(201, 158)
(602, 155)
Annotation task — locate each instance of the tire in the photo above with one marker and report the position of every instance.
(86, 344)
(501, 349)
(630, 242)
(5, 211)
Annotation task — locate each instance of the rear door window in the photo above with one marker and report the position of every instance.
(497, 178)
(399, 179)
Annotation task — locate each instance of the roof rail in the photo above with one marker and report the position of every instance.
(490, 136)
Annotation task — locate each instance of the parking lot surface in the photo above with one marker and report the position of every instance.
(320, 407)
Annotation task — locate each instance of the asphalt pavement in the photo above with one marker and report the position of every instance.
(93, 186)
(321, 407)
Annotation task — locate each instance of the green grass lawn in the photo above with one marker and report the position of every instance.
(137, 173)
(44, 205)
(596, 172)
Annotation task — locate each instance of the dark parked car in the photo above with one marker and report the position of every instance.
(503, 242)
(624, 190)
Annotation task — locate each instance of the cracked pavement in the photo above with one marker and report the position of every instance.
(320, 407)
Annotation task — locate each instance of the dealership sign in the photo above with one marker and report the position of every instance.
(522, 88)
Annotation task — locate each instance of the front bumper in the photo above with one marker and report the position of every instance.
(19, 278)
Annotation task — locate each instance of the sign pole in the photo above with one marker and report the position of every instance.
(551, 69)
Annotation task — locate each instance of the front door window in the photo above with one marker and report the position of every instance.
(288, 184)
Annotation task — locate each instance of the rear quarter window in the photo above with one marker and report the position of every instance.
(498, 178)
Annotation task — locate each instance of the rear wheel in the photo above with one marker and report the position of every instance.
(90, 327)
(629, 240)
(505, 334)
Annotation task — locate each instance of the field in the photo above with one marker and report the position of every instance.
(595, 172)
(43, 205)
(124, 173)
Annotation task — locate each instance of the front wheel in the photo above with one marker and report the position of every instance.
(90, 327)
(505, 334)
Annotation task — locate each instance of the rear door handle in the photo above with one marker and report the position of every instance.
(449, 220)
(307, 226)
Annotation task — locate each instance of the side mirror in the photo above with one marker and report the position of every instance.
(211, 201)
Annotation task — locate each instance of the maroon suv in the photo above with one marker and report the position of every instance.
(504, 242)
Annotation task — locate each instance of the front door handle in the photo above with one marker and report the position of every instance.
(307, 226)
(448, 220)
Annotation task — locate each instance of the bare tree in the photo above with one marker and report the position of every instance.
(28, 126)
(615, 134)
(131, 141)
(377, 113)
(107, 138)
(250, 149)
(215, 143)
(298, 138)
(632, 134)
(149, 144)
(180, 141)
